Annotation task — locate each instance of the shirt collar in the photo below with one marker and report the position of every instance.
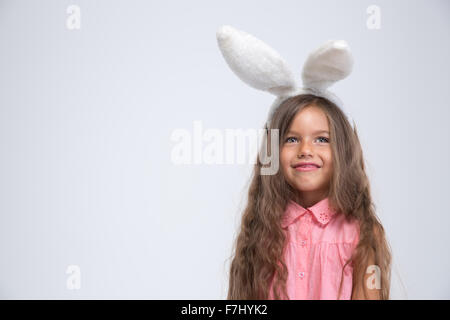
(322, 212)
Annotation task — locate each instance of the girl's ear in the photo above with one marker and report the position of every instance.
(255, 62)
(329, 63)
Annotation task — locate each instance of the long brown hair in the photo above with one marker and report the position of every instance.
(259, 247)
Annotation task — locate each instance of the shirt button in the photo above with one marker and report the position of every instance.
(301, 275)
(303, 243)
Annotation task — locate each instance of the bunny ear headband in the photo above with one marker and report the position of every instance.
(261, 67)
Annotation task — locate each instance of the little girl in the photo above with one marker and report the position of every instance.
(309, 230)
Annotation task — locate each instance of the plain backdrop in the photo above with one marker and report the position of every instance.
(86, 119)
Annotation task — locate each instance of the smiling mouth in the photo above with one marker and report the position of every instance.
(306, 168)
(305, 164)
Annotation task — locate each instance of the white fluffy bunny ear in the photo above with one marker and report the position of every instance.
(255, 62)
(329, 63)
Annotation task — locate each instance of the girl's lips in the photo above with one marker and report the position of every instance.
(306, 168)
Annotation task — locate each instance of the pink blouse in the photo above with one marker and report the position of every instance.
(320, 241)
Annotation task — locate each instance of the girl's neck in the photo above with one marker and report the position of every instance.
(308, 199)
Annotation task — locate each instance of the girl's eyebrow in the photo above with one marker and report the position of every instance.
(316, 132)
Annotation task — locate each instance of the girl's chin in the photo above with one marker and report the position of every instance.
(308, 190)
(312, 187)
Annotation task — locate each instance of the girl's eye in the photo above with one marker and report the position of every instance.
(294, 139)
(288, 139)
(325, 139)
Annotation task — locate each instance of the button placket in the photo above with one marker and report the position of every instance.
(303, 239)
(304, 230)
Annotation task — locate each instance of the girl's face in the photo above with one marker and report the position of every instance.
(308, 141)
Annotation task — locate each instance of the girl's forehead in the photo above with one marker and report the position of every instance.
(310, 118)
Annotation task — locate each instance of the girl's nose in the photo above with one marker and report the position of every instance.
(305, 149)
